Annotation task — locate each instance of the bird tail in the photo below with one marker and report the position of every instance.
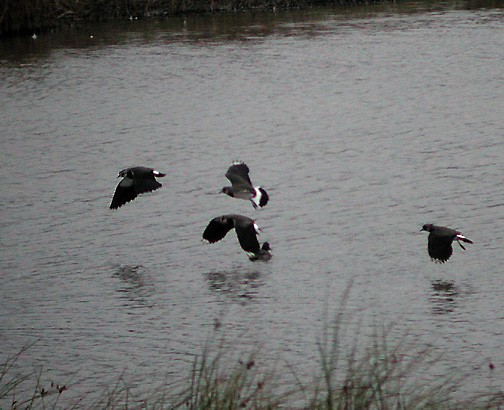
(462, 238)
(260, 197)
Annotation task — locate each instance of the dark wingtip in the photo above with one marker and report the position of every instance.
(117, 205)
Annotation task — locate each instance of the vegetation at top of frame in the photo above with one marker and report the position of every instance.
(26, 16)
(29, 16)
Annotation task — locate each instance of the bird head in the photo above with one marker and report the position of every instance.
(227, 190)
(427, 227)
(122, 173)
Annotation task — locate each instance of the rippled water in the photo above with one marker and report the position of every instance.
(362, 127)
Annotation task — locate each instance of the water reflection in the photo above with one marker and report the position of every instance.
(443, 297)
(208, 28)
(135, 287)
(235, 284)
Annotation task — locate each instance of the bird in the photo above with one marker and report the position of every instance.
(264, 253)
(440, 241)
(241, 186)
(246, 230)
(136, 180)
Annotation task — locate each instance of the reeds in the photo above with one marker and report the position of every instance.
(217, 384)
(40, 396)
(373, 373)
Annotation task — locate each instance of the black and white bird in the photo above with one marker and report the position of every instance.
(440, 241)
(241, 186)
(246, 230)
(136, 180)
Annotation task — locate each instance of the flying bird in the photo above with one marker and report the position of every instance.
(440, 241)
(246, 230)
(241, 186)
(136, 180)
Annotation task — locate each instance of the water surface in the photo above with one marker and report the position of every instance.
(362, 126)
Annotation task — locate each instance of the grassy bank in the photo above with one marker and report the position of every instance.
(28, 16)
(375, 374)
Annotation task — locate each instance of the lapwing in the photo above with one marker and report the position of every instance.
(136, 180)
(241, 186)
(246, 230)
(440, 241)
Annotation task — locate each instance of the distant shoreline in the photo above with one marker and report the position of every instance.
(28, 17)
(19, 17)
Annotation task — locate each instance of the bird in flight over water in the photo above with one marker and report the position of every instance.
(136, 180)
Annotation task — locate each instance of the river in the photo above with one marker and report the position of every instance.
(362, 124)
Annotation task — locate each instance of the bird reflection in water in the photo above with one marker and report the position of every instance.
(443, 297)
(135, 287)
(235, 284)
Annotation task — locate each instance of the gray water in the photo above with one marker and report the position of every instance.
(361, 125)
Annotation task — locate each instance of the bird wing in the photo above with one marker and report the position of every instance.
(247, 236)
(144, 180)
(238, 175)
(218, 228)
(124, 193)
(440, 247)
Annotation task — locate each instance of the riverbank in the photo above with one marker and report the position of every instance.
(32, 16)
(29, 16)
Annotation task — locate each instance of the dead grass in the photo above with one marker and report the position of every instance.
(374, 374)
